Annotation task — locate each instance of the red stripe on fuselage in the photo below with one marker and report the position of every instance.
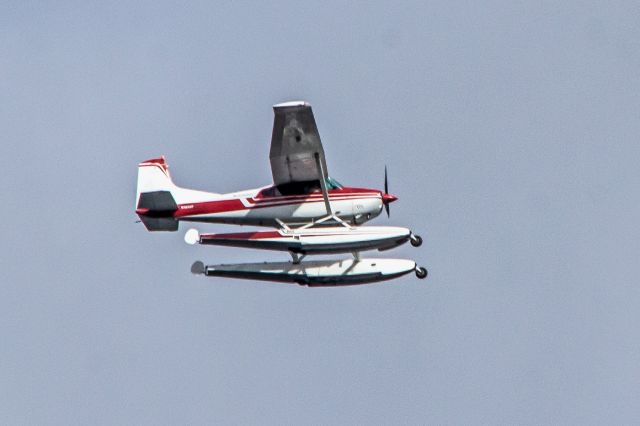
(265, 203)
(235, 204)
(332, 192)
(206, 207)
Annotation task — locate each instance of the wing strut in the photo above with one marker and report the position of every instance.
(323, 184)
(325, 194)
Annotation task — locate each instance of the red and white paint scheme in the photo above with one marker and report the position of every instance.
(312, 213)
(314, 240)
(161, 204)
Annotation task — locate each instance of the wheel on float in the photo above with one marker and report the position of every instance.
(421, 272)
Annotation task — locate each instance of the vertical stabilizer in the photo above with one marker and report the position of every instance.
(155, 202)
(153, 175)
(158, 198)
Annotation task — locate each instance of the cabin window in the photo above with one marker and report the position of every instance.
(299, 188)
(272, 191)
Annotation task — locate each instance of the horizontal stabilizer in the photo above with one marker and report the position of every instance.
(155, 210)
(159, 223)
(157, 202)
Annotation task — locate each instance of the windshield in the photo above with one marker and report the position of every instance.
(333, 184)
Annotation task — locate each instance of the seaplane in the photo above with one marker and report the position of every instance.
(308, 212)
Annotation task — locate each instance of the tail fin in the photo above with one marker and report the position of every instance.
(155, 202)
(153, 175)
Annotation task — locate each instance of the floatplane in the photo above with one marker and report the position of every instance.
(309, 213)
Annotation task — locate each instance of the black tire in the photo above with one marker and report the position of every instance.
(421, 272)
(416, 240)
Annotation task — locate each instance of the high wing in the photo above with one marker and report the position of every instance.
(296, 151)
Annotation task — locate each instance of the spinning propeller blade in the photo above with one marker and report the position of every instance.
(386, 197)
(386, 183)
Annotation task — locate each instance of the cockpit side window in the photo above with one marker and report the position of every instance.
(303, 187)
(272, 191)
(299, 188)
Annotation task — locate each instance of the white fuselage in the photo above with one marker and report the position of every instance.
(353, 205)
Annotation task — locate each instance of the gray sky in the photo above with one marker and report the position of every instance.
(510, 130)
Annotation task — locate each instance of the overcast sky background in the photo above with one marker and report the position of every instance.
(511, 133)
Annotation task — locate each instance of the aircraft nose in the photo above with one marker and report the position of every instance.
(388, 198)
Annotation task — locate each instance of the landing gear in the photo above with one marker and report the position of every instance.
(297, 258)
(416, 240)
(421, 272)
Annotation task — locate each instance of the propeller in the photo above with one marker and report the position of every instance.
(386, 197)
(386, 182)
